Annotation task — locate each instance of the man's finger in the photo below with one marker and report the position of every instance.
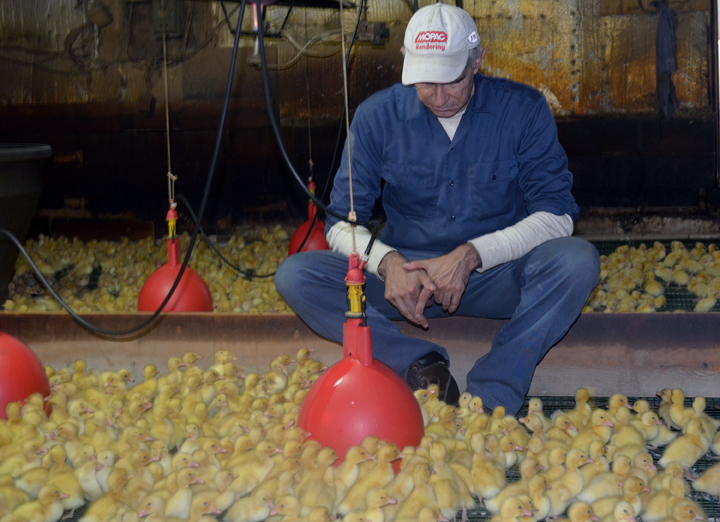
(422, 301)
(427, 282)
(406, 312)
(454, 303)
(418, 264)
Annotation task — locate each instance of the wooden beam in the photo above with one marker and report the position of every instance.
(634, 7)
(634, 354)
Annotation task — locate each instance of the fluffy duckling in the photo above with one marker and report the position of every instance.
(348, 471)
(599, 463)
(452, 488)
(566, 487)
(252, 473)
(648, 423)
(711, 425)
(511, 450)
(30, 457)
(535, 407)
(617, 402)
(488, 476)
(529, 468)
(152, 508)
(513, 509)
(556, 463)
(69, 482)
(318, 488)
(422, 395)
(106, 458)
(680, 415)
(178, 505)
(444, 427)
(426, 514)
(375, 499)
(687, 449)
(664, 436)
(421, 495)
(599, 428)
(252, 508)
(709, 481)
(106, 507)
(581, 512)
(623, 512)
(632, 487)
(46, 508)
(563, 430)
(661, 502)
(379, 475)
(664, 407)
(674, 469)
(288, 507)
(537, 491)
(607, 484)
(534, 423)
(10, 496)
(148, 388)
(686, 511)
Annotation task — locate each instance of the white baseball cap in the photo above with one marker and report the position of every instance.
(437, 40)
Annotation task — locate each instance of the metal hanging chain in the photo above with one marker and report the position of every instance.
(171, 177)
(351, 214)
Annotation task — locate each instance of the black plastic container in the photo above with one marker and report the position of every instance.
(21, 184)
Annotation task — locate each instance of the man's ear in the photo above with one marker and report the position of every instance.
(480, 59)
(402, 50)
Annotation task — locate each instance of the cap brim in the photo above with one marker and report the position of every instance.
(429, 68)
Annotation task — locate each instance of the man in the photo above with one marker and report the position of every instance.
(476, 192)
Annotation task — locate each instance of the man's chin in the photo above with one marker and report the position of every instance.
(447, 113)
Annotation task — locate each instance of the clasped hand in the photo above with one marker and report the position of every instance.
(409, 286)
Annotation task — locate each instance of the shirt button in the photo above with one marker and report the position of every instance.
(452, 218)
(451, 183)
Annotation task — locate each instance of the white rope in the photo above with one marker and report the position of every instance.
(352, 214)
(171, 177)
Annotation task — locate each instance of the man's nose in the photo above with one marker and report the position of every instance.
(439, 95)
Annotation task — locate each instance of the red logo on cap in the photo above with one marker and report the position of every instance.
(431, 36)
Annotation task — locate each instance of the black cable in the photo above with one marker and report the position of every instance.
(340, 129)
(249, 273)
(193, 238)
(273, 123)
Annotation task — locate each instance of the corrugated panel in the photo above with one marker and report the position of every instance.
(584, 61)
(41, 24)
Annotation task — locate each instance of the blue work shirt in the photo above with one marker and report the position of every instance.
(503, 164)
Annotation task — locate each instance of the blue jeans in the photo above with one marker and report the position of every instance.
(541, 293)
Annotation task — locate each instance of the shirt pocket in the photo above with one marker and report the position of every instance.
(411, 189)
(495, 188)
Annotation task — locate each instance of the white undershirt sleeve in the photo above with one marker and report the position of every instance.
(517, 240)
(339, 237)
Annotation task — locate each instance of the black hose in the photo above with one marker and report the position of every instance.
(276, 129)
(248, 273)
(338, 140)
(193, 238)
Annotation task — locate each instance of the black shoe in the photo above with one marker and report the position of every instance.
(432, 368)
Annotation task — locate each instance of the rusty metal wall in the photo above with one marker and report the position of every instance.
(589, 57)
